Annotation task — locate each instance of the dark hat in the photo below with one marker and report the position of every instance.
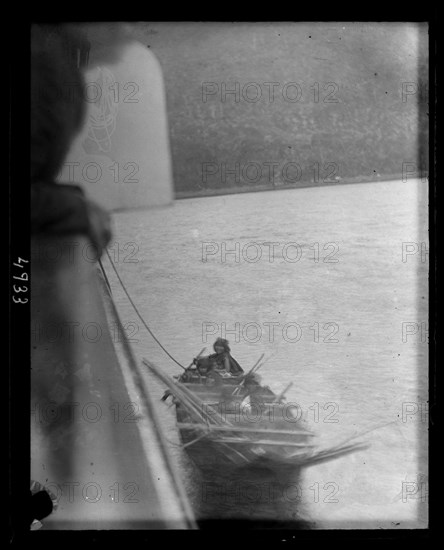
(223, 343)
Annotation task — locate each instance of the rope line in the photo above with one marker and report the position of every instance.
(105, 276)
(138, 314)
(152, 414)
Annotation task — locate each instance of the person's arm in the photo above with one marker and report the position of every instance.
(227, 363)
(64, 209)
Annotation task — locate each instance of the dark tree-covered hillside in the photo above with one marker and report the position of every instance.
(304, 103)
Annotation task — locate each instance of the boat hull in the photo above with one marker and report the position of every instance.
(260, 434)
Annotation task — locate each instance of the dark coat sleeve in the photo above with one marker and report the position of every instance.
(58, 210)
(62, 209)
(235, 367)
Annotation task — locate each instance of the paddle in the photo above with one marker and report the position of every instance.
(238, 387)
(192, 362)
(281, 395)
(197, 357)
(168, 393)
(256, 364)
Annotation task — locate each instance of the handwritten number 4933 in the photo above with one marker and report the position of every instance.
(23, 277)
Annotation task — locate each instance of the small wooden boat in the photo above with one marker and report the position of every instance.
(236, 422)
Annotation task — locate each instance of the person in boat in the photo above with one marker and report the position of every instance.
(221, 362)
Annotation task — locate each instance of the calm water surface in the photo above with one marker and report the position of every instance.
(328, 314)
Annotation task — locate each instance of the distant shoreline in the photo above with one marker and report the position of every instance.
(300, 185)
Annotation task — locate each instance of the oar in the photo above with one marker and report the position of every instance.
(263, 362)
(281, 395)
(197, 357)
(190, 400)
(258, 367)
(205, 434)
(168, 393)
(239, 386)
(360, 434)
(257, 363)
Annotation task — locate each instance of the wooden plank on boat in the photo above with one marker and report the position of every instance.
(191, 426)
(232, 440)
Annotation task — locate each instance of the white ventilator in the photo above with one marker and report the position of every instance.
(122, 157)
